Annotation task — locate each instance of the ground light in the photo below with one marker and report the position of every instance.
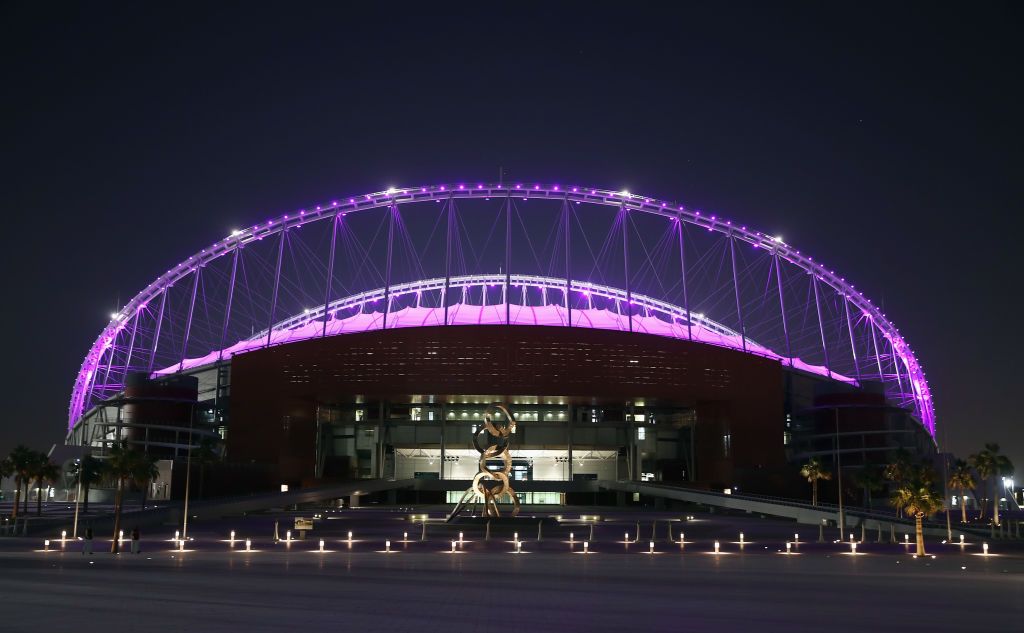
(248, 545)
(717, 546)
(321, 545)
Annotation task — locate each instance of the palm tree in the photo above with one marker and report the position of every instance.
(962, 479)
(897, 469)
(120, 468)
(144, 471)
(870, 478)
(204, 454)
(813, 470)
(915, 495)
(86, 472)
(990, 463)
(45, 472)
(21, 459)
(6, 468)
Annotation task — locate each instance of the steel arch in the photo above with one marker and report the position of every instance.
(905, 362)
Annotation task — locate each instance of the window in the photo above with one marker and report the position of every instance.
(641, 433)
(727, 444)
(787, 437)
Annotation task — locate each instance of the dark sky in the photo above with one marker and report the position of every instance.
(884, 140)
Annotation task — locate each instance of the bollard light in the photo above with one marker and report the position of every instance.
(961, 539)
(651, 550)
(232, 536)
(460, 538)
(853, 547)
(906, 539)
(453, 546)
(63, 535)
(984, 549)
(321, 545)
(626, 537)
(741, 538)
(248, 545)
(288, 536)
(519, 547)
(515, 536)
(716, 547)
(177, 535)
(46, 545)
(405, 536)
(571, 537)
(586, 547)
(120, 536)
(851, 537)
(181, 545)
(387, 546)
(796, 537)
(789, 547)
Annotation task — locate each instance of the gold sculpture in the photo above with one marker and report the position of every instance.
(491, 485)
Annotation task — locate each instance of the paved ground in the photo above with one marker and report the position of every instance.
(217, 587)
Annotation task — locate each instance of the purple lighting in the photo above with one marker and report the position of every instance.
(847, 338)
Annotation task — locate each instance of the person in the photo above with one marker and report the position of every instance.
(136, 545)
(87, 541)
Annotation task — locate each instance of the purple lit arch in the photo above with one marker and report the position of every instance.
(519, 253)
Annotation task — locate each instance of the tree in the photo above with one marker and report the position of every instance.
(86, 472)
(144, 471)
(990, 463)
(813, 470)
(45, 472)
(204, 454)
(898, 467)
(961, 479)
(916, 496)
(6, 468)
(120, 468)
(21, 459)
(871, 479)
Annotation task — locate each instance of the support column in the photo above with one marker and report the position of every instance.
(156, 336)
(277, 285)
(444, 421)
(568, 435)
(392, 210)
(782, 306)
(821, 324)
(682, 268)
(188, 319)
(736, 288)
(330, 269)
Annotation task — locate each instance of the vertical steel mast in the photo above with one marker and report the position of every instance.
(736, 289)
(625, 263)
(508, 258)
(447, 261)
(188, 320)
(277, 285)
(853, 346)
(782, 305)
(392, 210)
(821, 324)
(231, 298)
(330, 269)
(568, 265)
(682, 268)
(156, 335)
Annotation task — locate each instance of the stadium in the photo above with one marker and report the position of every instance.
(632, 338)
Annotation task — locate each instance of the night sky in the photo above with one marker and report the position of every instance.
(884, 140)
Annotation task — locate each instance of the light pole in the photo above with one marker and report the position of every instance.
(839, 480)
(188, 473)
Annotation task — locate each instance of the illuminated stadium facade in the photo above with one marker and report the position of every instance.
(632, 337)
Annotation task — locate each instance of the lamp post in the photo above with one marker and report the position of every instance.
(839, 479)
